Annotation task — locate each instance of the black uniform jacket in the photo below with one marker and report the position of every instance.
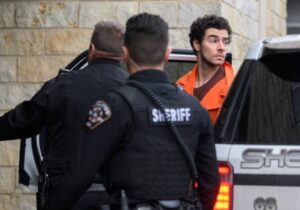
(107, 137)
(62, 105)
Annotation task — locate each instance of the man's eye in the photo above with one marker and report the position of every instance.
(226, 42)
(213, 40)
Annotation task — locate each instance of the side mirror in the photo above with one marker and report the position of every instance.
(228, 57)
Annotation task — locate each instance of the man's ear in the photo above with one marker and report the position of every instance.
(125, 52)
(196, 45)
(92, 47)
(167, 53)
(91, 52)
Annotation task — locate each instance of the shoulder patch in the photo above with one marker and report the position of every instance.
(100, 113)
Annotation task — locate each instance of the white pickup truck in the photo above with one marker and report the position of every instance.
(258, 129)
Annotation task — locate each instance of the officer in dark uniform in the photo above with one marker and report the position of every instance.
(143, 134)
(61, 106)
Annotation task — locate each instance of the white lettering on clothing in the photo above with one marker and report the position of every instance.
(174, 114)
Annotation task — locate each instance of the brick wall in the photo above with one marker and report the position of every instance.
(39, 37)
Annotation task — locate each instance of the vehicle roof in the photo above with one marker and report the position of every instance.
(274, 45)
(182, 55)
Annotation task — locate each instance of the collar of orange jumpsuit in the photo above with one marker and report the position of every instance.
(214, 98)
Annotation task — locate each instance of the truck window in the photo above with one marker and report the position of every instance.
(273, 110)
(176, 69)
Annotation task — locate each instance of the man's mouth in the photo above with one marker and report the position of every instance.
(220, 57)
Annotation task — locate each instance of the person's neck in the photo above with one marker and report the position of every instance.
(134, 67)
(205, 73)
(97, 54)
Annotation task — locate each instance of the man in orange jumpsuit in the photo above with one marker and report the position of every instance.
(212, 76)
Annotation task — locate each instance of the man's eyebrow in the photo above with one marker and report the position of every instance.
(213, 35)
(216, 36)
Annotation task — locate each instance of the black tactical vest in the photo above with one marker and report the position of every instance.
(151, 165)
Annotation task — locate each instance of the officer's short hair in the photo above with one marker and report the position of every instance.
(146, 38)
(109, 37)
(201, 24)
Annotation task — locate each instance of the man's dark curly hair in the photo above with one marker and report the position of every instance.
(200, 25)
(146, 38)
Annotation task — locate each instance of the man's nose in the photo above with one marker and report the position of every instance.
(222, 46)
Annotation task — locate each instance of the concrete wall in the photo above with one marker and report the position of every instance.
(39, 37)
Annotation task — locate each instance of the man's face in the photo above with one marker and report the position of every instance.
(213, 47)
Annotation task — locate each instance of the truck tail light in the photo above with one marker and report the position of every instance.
(225, 196)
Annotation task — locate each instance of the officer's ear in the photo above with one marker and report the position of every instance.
(91, 53)
(131, 67)
(125, 52)
(92, 47)
(167, 53)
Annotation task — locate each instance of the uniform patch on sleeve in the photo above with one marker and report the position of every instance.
(100, 113)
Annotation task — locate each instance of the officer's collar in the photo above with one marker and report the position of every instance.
(150, 75)
(104, 60)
